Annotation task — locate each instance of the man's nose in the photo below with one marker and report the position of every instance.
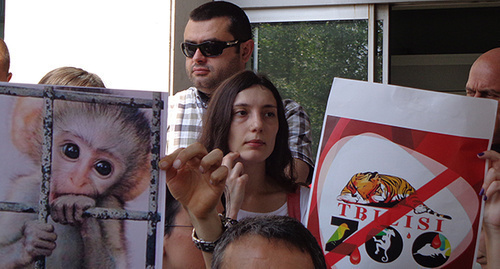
(198, 56)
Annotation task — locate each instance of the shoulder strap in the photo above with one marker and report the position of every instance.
(293, 204)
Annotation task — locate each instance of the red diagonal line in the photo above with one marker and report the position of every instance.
(395, 213)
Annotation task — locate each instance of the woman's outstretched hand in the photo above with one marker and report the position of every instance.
(196, 178)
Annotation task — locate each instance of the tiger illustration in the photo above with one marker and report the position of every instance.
(374, 189)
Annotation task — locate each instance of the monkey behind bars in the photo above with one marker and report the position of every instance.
(100, 158)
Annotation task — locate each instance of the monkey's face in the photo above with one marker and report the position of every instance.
(81, 166)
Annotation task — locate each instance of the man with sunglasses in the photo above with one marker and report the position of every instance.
(217, 44)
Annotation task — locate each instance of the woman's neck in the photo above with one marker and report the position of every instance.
(261, 195)
(257, 178)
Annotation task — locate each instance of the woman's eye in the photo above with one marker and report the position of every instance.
(71, 150)
(240, 113)
(270, 114)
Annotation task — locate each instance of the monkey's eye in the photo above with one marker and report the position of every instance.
(71, 150)
(103, 167)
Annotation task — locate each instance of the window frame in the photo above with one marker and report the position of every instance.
(290, 13)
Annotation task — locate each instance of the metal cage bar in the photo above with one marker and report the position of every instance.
(43, 202)
(153, 190)
(51, 93)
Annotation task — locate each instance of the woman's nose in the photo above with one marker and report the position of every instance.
(256, 123)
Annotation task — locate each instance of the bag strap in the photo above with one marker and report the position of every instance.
(293, 204)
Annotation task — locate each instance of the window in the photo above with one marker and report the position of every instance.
(302, 55)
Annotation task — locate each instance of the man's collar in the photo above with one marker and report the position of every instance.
(204, 98)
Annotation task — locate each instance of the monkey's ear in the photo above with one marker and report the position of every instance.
(26, 131)
(139, 181)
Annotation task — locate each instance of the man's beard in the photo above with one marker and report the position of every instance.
(208, 84)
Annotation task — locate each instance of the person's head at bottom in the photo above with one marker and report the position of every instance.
(268, 242)
(179, 252)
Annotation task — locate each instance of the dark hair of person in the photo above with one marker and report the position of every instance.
(219, 117)
(172, 208)
(282, 228)
(240, 25)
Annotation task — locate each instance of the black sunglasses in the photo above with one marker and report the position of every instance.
(207, 48)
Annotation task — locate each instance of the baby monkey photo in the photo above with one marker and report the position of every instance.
(101, 157)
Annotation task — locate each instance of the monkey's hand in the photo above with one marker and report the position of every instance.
(235, 184)
(68, 209)
(196, 178)
(38, 240)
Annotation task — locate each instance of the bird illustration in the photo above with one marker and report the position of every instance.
(337, 237)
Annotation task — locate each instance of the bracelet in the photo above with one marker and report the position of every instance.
(209, 246)
(227, 222)
(205, 246)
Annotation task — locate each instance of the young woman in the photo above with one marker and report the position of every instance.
(246, 124)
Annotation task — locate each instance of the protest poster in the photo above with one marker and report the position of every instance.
(397, 177)
(102, 154)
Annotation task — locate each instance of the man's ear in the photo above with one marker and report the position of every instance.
(246, 50)
(9, 76)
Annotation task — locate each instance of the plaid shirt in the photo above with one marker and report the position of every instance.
(185, 114)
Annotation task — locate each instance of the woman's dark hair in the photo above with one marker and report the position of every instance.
(218, 120)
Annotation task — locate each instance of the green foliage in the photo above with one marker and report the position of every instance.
(302, 59)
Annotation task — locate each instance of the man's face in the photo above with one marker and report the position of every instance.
(207, 73)
(254, 251)
(484, 82)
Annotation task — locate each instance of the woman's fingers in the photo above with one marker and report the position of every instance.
(182, 156)
(218, 176)
(492, 156)
(167, 161)
(211, 161)
(493, 188)
(190, 155)
(491, 176)
(489, 155)
(229, 159)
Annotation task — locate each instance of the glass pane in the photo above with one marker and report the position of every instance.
(2, 18)
(302, 58)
